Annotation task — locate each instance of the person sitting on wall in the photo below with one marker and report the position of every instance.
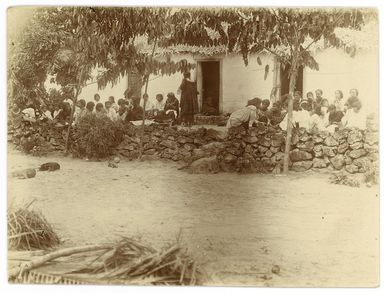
(46, 115)
(123, 108)
(297, 96)
(353, 98)
(110, 112)
(90, 108)
(80, 111)
(335, 117)
(276, 114)
(309, 97)
(318, 120)
(28, 114)
(171, 108)
(207, 107)
(114, 106)
(134, 111)
(57, 112)
(149, 107)
(354, 116)
(16, 116)
(338, 100)
(158, 109)
(99, 110)
(318, 97)
(96, 99)
(263, 117)
(246, 116)
(300, 119)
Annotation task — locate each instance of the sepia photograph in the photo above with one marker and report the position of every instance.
(193, 146)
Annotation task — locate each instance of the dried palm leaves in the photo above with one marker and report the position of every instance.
(29, 230)
(126, 262)
(131, 262)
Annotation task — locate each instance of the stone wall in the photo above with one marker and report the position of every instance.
(261, 149)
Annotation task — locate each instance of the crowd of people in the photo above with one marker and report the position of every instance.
(312, 113)
(127, 109)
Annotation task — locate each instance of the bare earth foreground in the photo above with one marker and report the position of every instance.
(238, 226)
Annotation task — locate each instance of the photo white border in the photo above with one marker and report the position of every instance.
(4, 4)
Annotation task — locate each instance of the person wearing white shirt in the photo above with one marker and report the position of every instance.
(111, 113)
(338, 100)
(245, 116)
(149, 106)
(160, 103)
(318, 120)
(300, 117)
(355, 117)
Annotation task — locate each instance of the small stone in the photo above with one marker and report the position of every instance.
(269, 153)
(250, 139)
(184, 139)
(294, 139)
(354, 136)
(274, 150)
(189, 146)
(301, 166)
(278, 157)
(338, 161)
(357, 153)
(357, 145)
(169, 144)
(305, 137)
(299, 155)
(342, 148)
(330, 141)
(319, 163)
(265, 142)
(318, 139)
(275, 269)
(262, 149)
(150, 152)
(329, 151)
(351, 168)
(306, 146)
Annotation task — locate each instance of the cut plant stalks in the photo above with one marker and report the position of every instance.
(125, 262)
(29, 230)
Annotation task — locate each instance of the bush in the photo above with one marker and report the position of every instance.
(96, 137)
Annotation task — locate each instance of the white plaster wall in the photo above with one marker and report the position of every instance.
(337, 70)
(117, 91)
(241, 83)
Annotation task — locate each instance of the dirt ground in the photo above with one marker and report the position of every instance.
(238, 226)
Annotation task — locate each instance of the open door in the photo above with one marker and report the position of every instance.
(208, 83)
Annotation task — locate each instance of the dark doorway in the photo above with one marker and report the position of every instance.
(285, 80)
(210, 86)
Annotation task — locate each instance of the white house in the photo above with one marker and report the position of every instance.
(229, 83)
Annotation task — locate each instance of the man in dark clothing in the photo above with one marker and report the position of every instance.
(135, 111)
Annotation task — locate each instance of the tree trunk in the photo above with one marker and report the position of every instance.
(144, 103)
(292, 82)
(72, 118)
(143, 119)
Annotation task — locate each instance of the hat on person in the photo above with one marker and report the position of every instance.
(254, 102)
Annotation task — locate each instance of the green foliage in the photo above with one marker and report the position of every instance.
(96, 137)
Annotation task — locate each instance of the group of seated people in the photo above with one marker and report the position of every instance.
(126, 109)
(308, 112)
(130, 108)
